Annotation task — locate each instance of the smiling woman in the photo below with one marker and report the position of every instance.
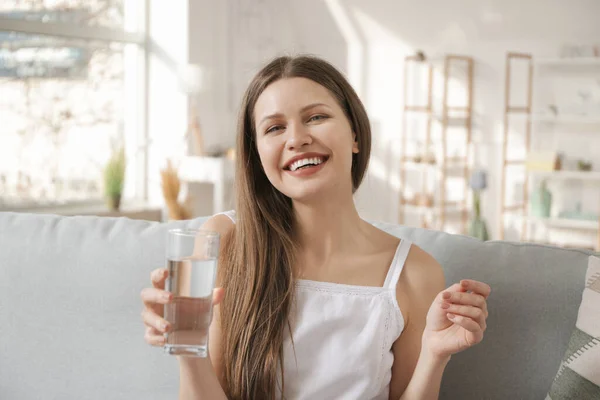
(309, 132)
(319, 303)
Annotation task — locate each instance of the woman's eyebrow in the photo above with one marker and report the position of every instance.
(272, 116)
(303, 109)
(313, 105)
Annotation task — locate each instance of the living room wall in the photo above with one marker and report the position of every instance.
(368, 41)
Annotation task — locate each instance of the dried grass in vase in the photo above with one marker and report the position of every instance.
(171, 185)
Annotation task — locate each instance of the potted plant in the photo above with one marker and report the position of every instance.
(114, 178)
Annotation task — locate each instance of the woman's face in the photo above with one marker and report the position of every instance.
(304, 140)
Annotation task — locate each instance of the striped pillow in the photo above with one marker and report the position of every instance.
(579, 374)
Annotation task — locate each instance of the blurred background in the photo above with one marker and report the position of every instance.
(485, 114)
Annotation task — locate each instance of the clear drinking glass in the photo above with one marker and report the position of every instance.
(192, 256)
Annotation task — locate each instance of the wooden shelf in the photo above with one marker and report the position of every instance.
(433, 211)
(564, 223)
(566, 119)
(453, 167)
(417, 109)
(454, 121)
(583, 123)
(132, 210)
(514, 208)
(443, 123)
(568, 175)
(568, 62)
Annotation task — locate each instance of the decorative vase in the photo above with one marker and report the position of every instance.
(114, 202)
(477, 226)
(478, 229)
(541, 201)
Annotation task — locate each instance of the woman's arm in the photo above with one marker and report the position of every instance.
(439, 323)
(202, 378)
(427, 377)
(197, 380)
(416, 374)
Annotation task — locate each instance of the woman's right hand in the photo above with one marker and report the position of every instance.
(154, 300)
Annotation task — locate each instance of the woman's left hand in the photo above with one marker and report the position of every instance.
(457, 318)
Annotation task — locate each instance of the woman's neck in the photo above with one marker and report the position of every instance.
(328, 227)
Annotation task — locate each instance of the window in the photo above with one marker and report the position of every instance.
(71, 88)
(105, 13)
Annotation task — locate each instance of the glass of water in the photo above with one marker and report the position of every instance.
(192, 256)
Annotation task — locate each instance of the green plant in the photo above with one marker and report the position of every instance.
(114, 173)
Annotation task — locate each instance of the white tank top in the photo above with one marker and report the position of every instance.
(342, 337)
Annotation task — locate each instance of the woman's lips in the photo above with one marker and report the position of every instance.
(308, 170)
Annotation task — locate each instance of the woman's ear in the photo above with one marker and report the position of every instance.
(355, 148)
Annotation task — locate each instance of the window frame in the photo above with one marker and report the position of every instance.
(103, 34)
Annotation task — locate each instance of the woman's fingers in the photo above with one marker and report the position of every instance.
(218, 294)
(474, 313)
(158, 277)
(440, 298)
(156, 296)
(155, 299)
(477, 287)
(154, 337)
(457, 287)
(472, 299)
(466, 323)
(152, 320)
(468, 299)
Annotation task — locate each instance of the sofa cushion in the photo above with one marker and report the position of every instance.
(579, 374)
(536, 292)
(70, 308)
(70, 325)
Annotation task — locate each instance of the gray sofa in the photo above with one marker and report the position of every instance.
(70, 310)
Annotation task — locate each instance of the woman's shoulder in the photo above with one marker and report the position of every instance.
(422, 275)
(418, 261)
(382, 237)
(223, 223)
(421, 261)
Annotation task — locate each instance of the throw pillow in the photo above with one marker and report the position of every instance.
(579, 374)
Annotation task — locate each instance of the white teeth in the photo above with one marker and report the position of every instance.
(300, 163)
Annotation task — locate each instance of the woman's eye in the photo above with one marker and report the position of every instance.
(317, 118)
(273, 128)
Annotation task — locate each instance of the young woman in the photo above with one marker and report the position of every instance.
(316, 303)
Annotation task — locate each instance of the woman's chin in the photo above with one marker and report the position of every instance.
(312, 192)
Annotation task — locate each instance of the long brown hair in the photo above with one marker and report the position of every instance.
(256, 267)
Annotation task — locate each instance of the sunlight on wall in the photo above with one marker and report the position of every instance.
(167, 119)
(381, 72)
(133, 91)
(382, 93)
(356, 50)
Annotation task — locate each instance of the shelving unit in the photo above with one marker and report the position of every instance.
(568, 62)
(570, 175)
(565, 119)
(566, 223)
(531, 120)
(424, 110)
(436, 161)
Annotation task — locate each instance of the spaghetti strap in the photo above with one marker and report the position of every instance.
(397, 264)
(230, 214)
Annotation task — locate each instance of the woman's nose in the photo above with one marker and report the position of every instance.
(298, 136)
